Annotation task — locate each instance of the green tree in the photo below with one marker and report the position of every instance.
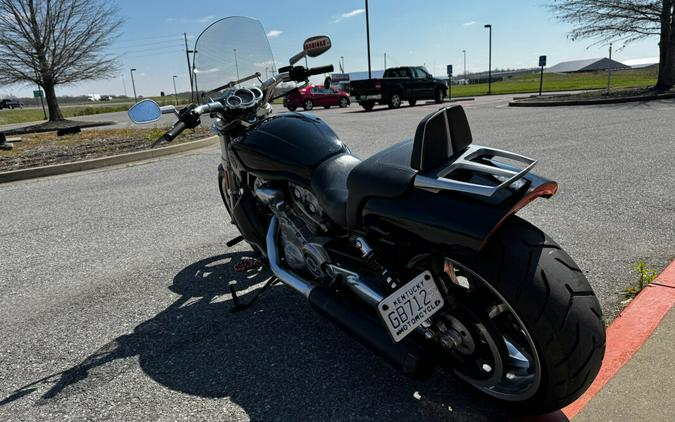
(52, 42)
(625, 21)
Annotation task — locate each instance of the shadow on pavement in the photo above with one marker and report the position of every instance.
(277, 361)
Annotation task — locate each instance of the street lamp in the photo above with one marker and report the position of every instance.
(133, 84)
(464, 52)
(236, 65)
(175, 94)
(342, 61)
(370, 76)
(490, 61)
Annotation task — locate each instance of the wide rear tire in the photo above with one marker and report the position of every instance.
(550, 295)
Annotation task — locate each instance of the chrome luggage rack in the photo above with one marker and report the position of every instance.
(440, 180)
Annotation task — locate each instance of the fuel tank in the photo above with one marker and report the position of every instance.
(289, 145)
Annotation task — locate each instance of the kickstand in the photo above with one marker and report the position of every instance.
(238, 306)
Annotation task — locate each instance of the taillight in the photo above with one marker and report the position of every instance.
(378, 85)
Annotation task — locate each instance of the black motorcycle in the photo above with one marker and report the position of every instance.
(415, 251)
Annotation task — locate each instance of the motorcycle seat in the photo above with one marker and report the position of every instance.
(343, 183)
(387, 174)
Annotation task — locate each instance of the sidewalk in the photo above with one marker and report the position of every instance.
(644, 389)
(637, 378)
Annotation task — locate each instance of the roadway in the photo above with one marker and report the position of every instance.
(114, 282)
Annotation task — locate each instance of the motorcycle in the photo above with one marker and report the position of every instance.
(415, 251)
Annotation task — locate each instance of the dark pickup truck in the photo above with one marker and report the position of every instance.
(10, 104)
(408, 83)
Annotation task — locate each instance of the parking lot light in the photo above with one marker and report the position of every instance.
(489, 27)
(133, 84)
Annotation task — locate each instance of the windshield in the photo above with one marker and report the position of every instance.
(231, 49)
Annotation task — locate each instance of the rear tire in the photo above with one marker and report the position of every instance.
(395, 100)
(292, 108)
(344, 102)
(308, 105)
(558, 308)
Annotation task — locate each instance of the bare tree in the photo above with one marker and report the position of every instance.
(52, 42)
(625, 21)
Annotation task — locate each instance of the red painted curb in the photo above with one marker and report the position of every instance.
(629, 331)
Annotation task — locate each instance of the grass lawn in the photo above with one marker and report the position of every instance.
(36, 114)
(529, 82)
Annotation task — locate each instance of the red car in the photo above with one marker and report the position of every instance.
(312, 96)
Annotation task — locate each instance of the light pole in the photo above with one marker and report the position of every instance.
(490, 61)
(133, 84)
(368, 40)
(609, 71)
(175, 94)
(124, 85)
(385, 61)
(464, 52)
(187, 55)
(236, 65)
(342, 61)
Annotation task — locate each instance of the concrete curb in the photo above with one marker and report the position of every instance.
(589, 102)
(629, 331)
(31, 173)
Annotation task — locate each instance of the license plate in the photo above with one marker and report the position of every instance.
(411, 305)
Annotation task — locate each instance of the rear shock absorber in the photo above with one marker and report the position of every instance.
(368, 254)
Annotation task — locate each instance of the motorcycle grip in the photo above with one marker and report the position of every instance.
(171, 134)
(321, 69)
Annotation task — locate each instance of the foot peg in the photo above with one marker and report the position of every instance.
(238, 306)
(234, 241)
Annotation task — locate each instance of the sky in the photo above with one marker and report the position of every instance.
(411, 32)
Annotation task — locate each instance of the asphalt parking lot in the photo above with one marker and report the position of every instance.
(114, 282)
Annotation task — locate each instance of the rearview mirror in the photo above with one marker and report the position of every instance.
(145, 111)
(316, 46)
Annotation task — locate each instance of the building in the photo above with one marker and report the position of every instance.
(586, 65)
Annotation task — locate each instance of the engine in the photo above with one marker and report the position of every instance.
(302, 224)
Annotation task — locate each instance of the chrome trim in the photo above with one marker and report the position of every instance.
(269, 196)
(369, 97)
(356, 285)
(299, 284)
(363, 246)
(437, 181)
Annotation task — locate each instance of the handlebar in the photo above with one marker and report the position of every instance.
(169, 136)
(319, 70)
(189, 116)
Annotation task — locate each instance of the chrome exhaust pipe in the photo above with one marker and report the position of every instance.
(408, 357)
(297, 283)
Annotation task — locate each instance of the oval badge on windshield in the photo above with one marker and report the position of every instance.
(316, 46)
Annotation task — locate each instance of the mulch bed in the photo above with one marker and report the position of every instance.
(600, 96)
(44, 149)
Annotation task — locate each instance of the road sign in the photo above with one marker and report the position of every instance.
(449, 70)
(542, 61)
(37, 93)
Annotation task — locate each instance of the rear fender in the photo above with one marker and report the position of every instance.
(453, 219)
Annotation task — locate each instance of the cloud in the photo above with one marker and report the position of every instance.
(274, 33)
(206, 19)
(353, 13)
(470, 23)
